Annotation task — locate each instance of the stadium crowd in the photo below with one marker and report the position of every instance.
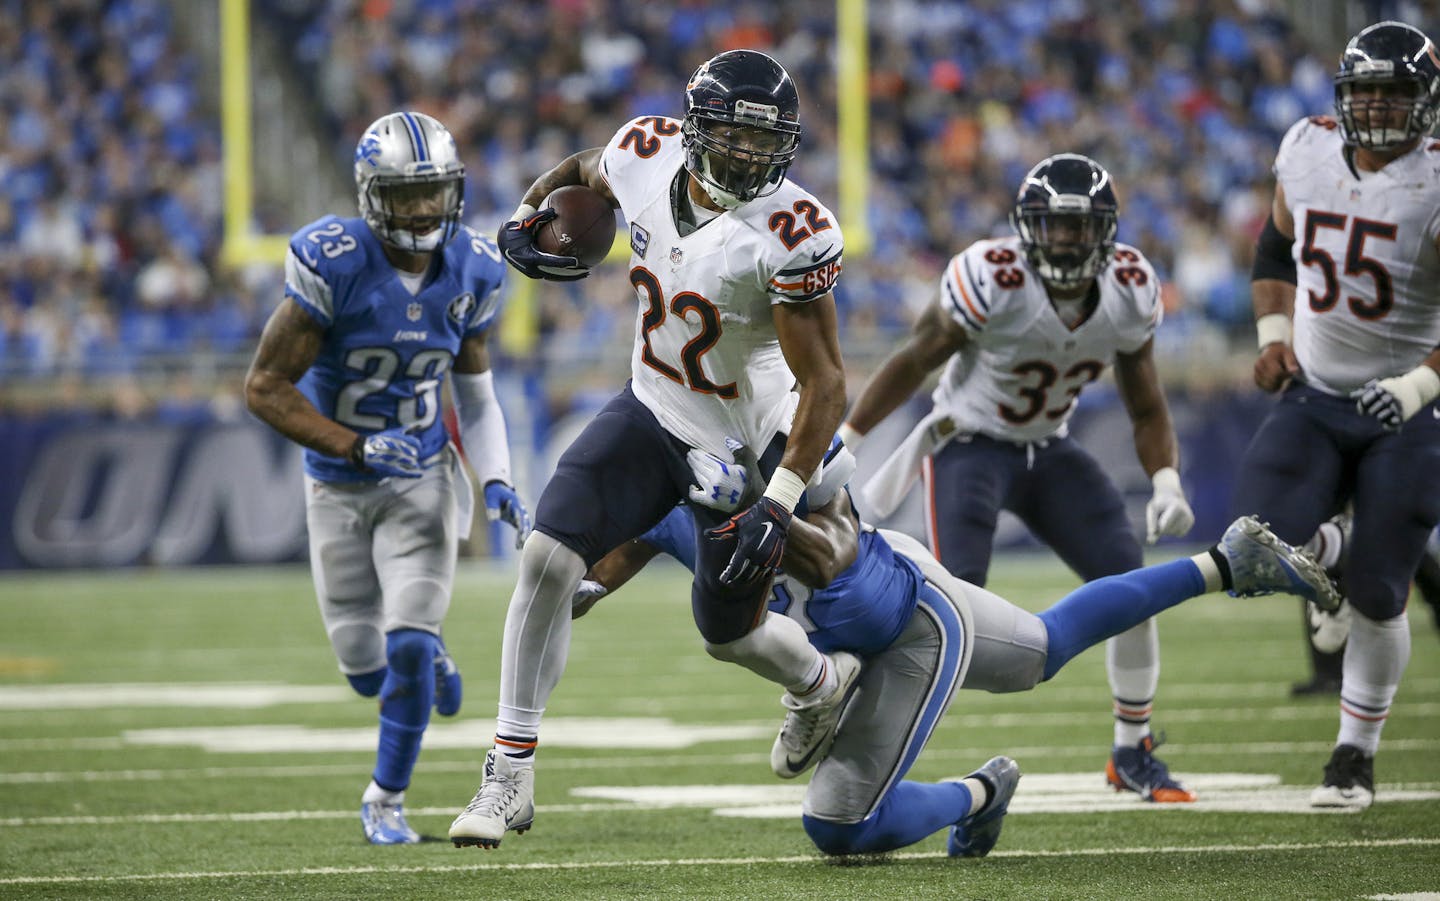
(110, 179)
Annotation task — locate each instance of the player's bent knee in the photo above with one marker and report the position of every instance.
(550, 565)
(835, 838)
(360, 647)
(367, 685)
(411, 651)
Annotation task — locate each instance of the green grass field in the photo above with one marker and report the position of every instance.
(185, 735)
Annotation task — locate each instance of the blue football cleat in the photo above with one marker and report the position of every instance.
(385, 824)
(976, 834)
(1260, 563)
(448, 686)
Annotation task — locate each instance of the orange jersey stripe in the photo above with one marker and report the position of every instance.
(965, 295)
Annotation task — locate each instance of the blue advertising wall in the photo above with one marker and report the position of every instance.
(90, 492)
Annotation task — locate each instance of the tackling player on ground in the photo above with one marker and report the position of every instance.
(924, 633)
(1345, 304)
(1022, 325)
(377, 311)
(732, 265)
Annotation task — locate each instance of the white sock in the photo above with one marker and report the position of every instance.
(979, 794)
(1375, 659)
(1132, 662)
(537, 638)
(374, 793)
(777, 650)
(1209, 571)
(1326, 544)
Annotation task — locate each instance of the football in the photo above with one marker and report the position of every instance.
(584, 226)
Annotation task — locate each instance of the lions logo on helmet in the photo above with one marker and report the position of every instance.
(1387, 89)
(1066, 216)
(410, 182)
(742, 126)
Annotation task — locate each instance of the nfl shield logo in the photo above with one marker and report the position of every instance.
(414, 312)
(676, 255)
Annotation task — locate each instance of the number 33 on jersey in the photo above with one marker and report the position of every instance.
(706, 360)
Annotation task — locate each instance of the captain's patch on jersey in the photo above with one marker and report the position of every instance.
(639, 240)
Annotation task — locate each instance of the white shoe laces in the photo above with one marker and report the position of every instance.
(495, 795)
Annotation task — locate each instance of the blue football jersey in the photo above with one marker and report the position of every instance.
(386, 351)
(863, 610)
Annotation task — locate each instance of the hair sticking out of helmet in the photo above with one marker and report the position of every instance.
(1066, 216)
(1387, 88)
(410, 181)
(742, 126)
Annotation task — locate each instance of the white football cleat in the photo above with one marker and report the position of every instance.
(1260, 563)
(384, 824)
(504, 803)
(809, 728)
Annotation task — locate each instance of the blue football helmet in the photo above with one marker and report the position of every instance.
(410, 181)
(742, 126)
(1395, 70)
(1066, 216)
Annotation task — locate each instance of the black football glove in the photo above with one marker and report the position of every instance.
(517, 242)
(759, 534)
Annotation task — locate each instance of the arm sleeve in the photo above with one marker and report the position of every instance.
(482, 426)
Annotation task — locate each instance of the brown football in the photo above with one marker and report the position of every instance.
(584, 227)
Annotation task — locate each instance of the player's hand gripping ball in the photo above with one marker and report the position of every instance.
(583, 227)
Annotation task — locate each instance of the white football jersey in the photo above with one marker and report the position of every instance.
(1367, 299)
(707, 361)
(1019, 375)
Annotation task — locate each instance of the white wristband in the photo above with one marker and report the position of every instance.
(1414, 389)
(848, 435)
(785, 488)
(1272, 328)
(1166, 481)
(522, 212)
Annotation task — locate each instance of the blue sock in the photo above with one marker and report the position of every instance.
(405, 701)
(910, 812)
(1106, 607)
(368, 685)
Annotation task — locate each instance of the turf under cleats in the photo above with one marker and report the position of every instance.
(977, 833)
(1138, 770)
(385, 824)
(809, 728)
(504, 803)
(1260, 563)
(1349, 780)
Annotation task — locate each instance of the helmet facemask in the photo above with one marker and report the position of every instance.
(1067, 242)
(739, 156)
(1384, 112)
(417, 214)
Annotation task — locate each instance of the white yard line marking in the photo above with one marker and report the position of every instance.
(710, 862)
(166, 694)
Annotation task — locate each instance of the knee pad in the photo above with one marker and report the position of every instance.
(360, 647)
(367, 685)
(411, 651)
(831, 837)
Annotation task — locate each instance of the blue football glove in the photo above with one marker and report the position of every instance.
(502, 503)
(517, 243)
(759, 535)
(1376, 400)
(393, 453)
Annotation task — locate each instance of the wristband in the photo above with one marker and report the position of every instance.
(357, 452)
(1166, 481)
(848, 435)
(1419, 386)
(785, 489)
(523, 211)
(1272, 328)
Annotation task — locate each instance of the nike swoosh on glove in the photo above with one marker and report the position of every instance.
(517, 243)
(759, 534)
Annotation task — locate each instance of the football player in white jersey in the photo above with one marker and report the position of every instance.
(377, 310)
(733, 266)
(1348, 316)
(1022, 324)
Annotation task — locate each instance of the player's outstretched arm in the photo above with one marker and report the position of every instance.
(1168, 512)
(933, 339)
(823, 544)
(289, 345)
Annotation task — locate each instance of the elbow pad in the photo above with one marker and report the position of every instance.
(1272, 255)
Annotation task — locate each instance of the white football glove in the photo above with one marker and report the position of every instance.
(1167, 513)
(718, 484)
(1394, 400)
(587, 595)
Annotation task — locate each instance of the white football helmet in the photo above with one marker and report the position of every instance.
(410, 181)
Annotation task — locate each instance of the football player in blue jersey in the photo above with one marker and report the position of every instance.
(922, 633)
(378, 310)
